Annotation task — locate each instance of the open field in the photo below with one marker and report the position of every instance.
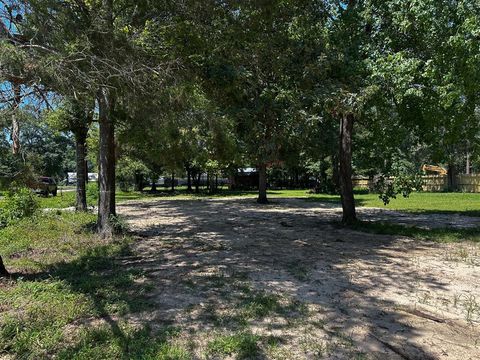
(343, 97)
(460, 203)
(227, 278)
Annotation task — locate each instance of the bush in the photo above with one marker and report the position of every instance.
(17, 205)
(92, 193)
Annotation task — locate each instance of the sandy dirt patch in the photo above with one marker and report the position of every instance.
(326, 292)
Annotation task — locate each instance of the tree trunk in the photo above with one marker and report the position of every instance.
(138, 181)
(262, 184)
(197, 183)
(3, 270)
(15, 136)
(173, 182)
(467, 166)
(211, 183)
(106, 173)
(335, 174)
(154, 185)
(189, 179)
(231, 182)
(452, 177)
(345, 169)
(80, 140)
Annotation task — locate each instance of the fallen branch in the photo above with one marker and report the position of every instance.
(423, 315)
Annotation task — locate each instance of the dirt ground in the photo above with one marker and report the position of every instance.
(303, 286)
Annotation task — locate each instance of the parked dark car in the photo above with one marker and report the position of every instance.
(45, 186)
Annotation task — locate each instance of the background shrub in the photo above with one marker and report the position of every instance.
(92, 193)
(18, 204)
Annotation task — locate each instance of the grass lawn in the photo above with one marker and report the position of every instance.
(70, 290)
(465, 203)
(73, 299)
(422, 202)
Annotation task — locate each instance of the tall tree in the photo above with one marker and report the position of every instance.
(95, 49)
(236, 47)
(76, 116)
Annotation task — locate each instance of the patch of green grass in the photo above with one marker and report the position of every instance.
(103, 343)
(37, 313)
(260, 305)
(423, 202)
(33, 244)
(71, 293)
(244, 344)
(61, 201)
(444, 235)
(298, 270)
(257, 305)
(38, 309)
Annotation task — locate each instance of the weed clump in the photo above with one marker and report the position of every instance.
(18, 205)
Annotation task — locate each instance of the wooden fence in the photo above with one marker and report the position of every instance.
(433, 183)
(468, 183)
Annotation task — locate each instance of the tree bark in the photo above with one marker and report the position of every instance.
(345, 169)
(154, 185)
(211, 182)
(335, 174)
(467, 165)
(231, 182)
(197, 183)
(452, 177)
(3, 270)
(173, 182)
(262, 184)
(138, 181)
(106, 173)
(15, 135)
(81, 150)
(189, 179)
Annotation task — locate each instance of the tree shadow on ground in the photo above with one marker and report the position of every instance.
(199, 252)
(112, 294)
(266, 276)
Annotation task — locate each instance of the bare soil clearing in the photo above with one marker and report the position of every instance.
(304, 287)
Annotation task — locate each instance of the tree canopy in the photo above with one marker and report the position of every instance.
(321, 90)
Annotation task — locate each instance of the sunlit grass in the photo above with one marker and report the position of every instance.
(466, 203)
(67, 281)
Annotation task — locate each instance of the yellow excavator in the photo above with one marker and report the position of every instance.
(434, 170)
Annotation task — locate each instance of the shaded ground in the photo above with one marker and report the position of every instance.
(283, 282)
